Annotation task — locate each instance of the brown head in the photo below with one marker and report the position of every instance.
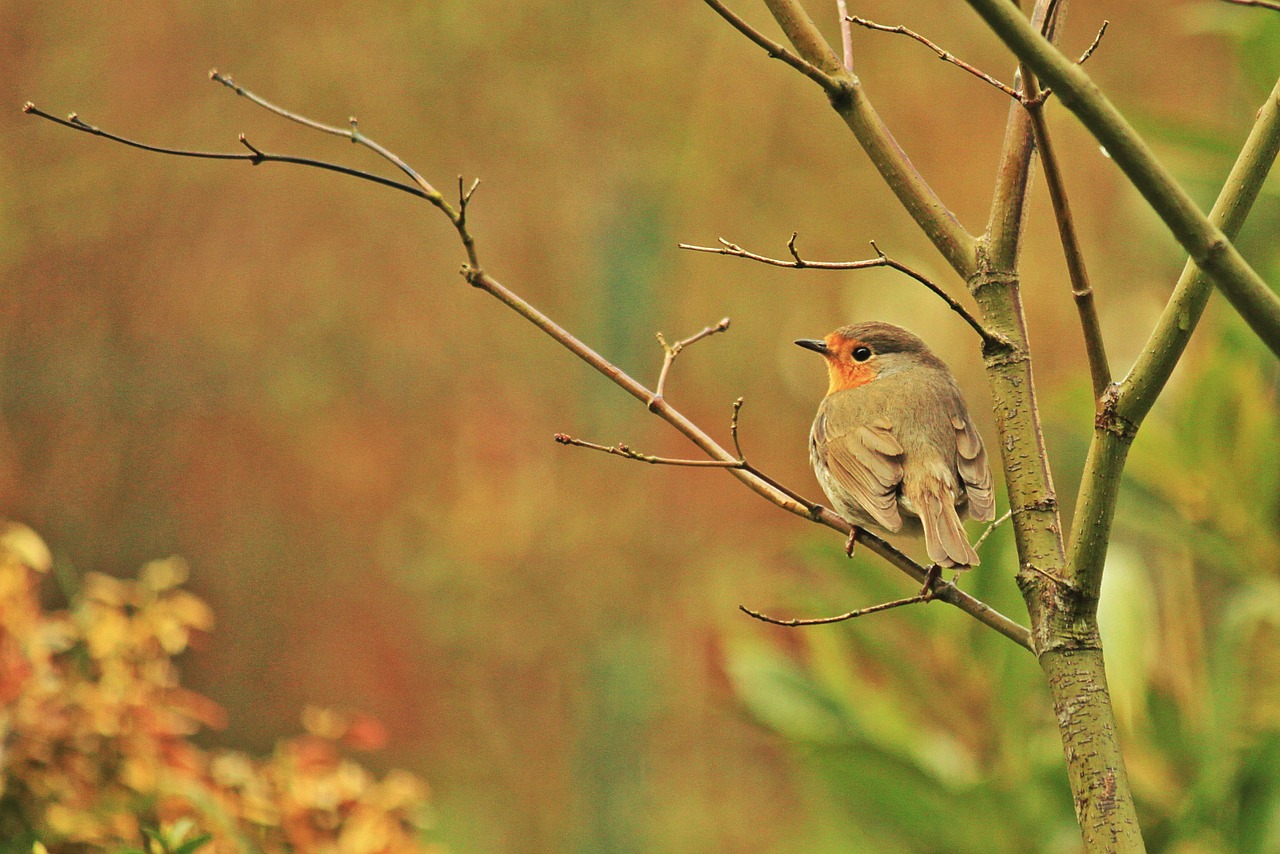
(860, 353)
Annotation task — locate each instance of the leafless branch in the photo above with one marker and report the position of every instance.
(733, 427)
(838, 618)
(775, 49)
(1097, 40)
(621, 450)
(673, 350)
(846, 34)
(991, 528)
(944, 55)
(881, 260)
(1265, 4)
(254, 157)
(1081, 289)
(478, 278)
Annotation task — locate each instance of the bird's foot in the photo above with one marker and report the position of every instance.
(852, 541)
(931, 579)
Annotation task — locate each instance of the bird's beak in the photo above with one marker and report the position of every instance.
(817, 345)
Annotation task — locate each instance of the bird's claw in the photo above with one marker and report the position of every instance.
(932, 577)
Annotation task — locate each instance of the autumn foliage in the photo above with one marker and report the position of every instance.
(97, 750)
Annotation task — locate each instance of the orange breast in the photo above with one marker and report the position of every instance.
(842, 376)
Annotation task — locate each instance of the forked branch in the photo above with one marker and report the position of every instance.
(1033, 99)
(1212, 251)
(477, 277)
(989, 338)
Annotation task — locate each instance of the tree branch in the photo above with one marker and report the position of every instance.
(850, 101)
(838, 618)
(846, 34)
(1265, 4)
(798, 263)
(670, 351)
(625, 451)
(478, 278)
(944, 55)
(1033, 99)
(1205, 243)
(774, 49)
(1128, 403)
(1081, 291)
(254, 156)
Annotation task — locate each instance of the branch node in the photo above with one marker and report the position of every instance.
(791, 247)
(1109, 419)
(257, 154)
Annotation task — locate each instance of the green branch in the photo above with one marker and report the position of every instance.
(1128, 403)
(1204, 242)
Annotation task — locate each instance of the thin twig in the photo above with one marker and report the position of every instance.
(352, 132)
(839, 618)
(881, 260)
(621, 450)
(1081, 290)
(1034, 99)
(1097, 40)
(670, 351)
(254, 157)
(762, 485)
(944, 55)
(774, 49)
(733, 427)
(1265, 4)
(990, 528)
(846, 34)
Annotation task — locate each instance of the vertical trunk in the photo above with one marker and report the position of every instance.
(1095, 767)
(1064, 628)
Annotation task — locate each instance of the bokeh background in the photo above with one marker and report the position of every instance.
(278, 374)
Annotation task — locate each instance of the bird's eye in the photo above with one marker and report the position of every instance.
(861, 354)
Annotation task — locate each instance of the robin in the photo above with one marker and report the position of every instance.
(893, 445)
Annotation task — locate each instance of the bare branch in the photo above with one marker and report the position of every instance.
(673, 350)
(846, 34)
(733, 427)
(353, 133)
(1008, 514)
(1084, 57)
(881, 260)
(944, 55)
(775, 49)
(1081, 291)
(256, 156)
(621, 450)
(1265, 4)
(839, 618)
(474, 275)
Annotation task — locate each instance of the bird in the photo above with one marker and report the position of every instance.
(893, 446)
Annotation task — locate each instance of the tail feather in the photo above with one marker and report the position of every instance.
(944, 536)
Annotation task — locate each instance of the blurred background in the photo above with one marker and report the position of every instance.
(277, 374)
